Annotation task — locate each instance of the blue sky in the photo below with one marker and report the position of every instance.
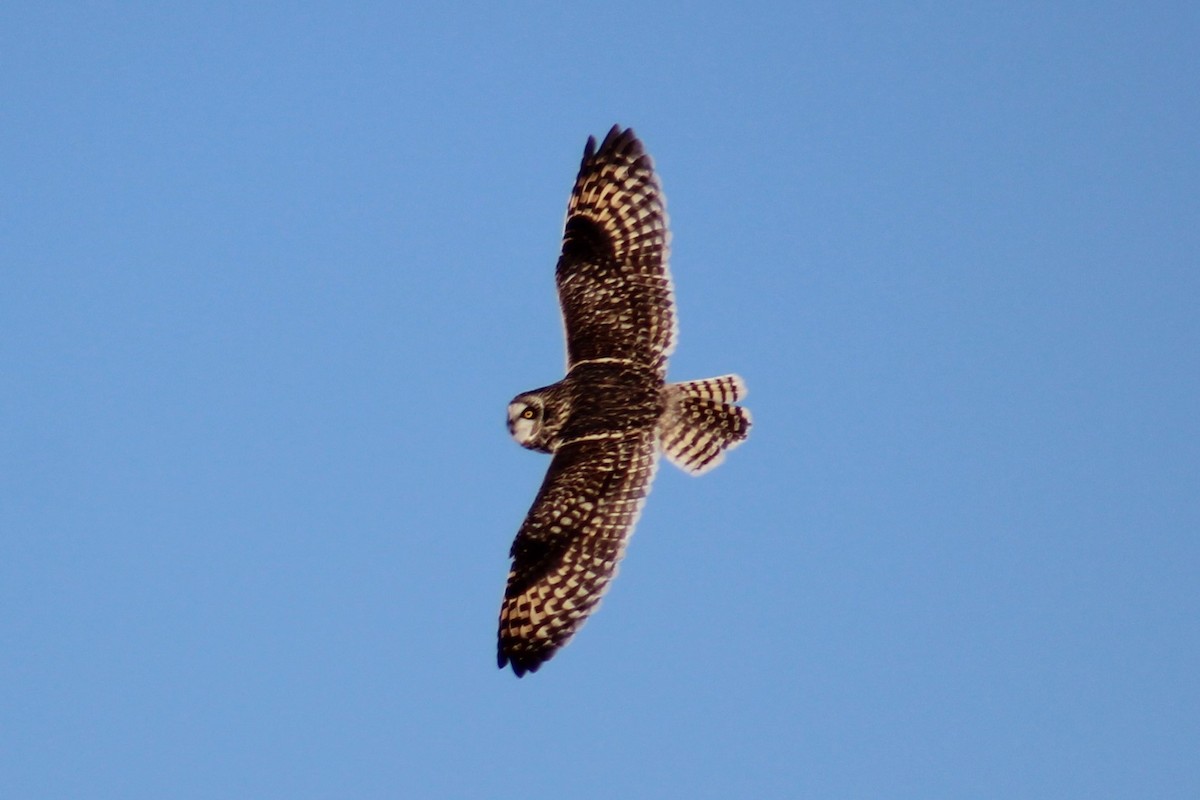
(269, 277)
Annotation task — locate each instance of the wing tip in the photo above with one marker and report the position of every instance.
(623, 142)
(520, 666)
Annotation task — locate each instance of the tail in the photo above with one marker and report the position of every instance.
(701, 422)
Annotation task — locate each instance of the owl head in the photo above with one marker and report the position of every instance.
(534, 420)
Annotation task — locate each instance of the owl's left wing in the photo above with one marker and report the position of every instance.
(614, 286)
(566, 552)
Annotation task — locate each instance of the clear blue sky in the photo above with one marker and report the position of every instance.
(269, 276)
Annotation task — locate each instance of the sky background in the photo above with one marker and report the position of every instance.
(269, 276)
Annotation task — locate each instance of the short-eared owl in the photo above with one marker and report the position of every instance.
(612, 414)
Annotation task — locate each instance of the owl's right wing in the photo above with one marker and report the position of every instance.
(566, 552)
(614, 286)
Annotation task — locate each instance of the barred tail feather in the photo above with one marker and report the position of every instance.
(701, 422)
(725, 389)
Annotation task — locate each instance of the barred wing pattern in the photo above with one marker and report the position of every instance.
(567, 550)
(613, 282)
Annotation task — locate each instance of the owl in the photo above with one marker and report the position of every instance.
(608, 420)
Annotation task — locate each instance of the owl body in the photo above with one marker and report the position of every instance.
(595, 400)
(609, 419)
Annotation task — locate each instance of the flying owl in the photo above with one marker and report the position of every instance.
(606, 422)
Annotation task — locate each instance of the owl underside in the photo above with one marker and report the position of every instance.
(568, 550)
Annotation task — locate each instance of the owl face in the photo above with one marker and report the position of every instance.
(534, 420)
(525, 420)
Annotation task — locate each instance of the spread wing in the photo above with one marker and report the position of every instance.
(566, 553)
(613, 283)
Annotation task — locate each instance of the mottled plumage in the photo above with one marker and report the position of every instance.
(607, 421)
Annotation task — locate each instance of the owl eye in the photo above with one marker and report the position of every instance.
(528, 413)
